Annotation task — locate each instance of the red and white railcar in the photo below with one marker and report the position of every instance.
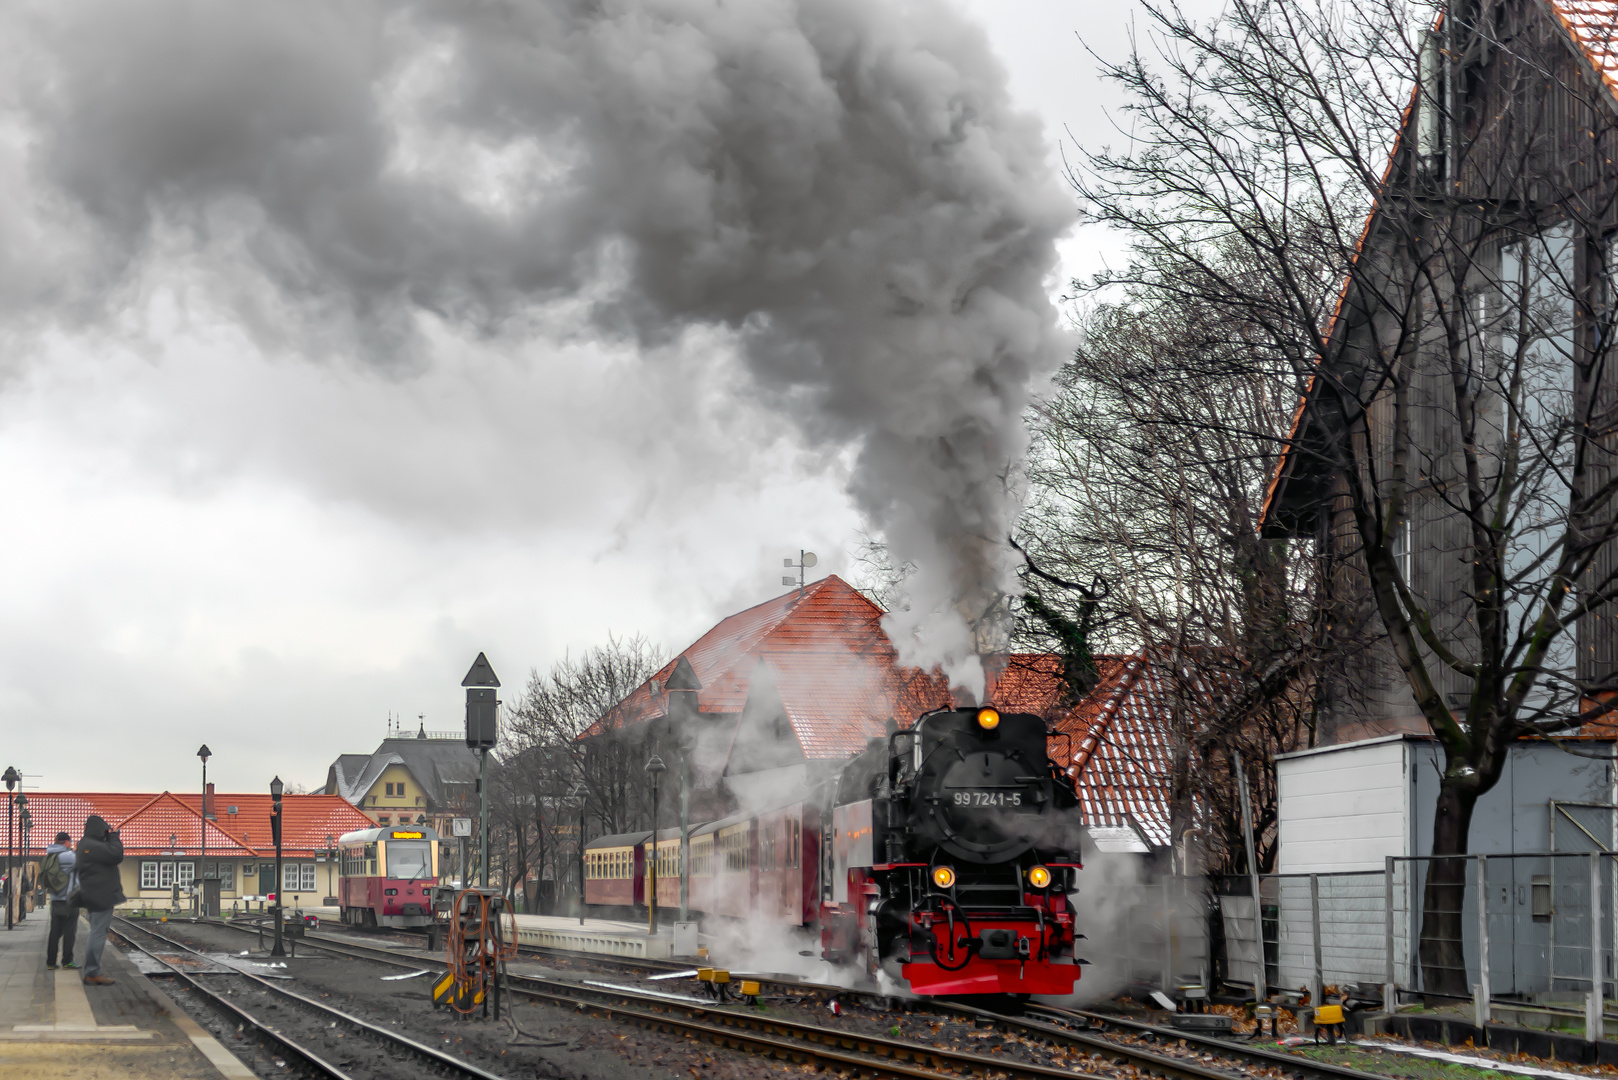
(386, 876)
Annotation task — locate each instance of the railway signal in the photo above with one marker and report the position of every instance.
(482, 732)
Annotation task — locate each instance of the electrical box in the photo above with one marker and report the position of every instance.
(1541, 890)
(482, 711)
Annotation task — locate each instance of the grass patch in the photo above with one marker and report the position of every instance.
(1400, 1066)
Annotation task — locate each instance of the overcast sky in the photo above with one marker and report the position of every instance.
(213, 539)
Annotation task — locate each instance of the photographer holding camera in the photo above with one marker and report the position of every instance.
(100, 890)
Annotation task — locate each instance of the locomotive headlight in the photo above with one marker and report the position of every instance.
(943, 876)
(1039, 877)
(988, 719)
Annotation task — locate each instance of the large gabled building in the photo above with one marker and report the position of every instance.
(168, 842)
(422, 779)
(782, 693)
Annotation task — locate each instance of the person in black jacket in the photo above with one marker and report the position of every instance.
(100, 890)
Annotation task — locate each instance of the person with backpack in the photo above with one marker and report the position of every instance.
(100, 890)
(58, 873)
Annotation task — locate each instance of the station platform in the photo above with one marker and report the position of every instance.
(606, 937)
(53, 1027)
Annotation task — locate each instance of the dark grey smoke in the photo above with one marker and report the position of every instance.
(841, 184)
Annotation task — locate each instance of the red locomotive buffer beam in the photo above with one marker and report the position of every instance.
(954, 953)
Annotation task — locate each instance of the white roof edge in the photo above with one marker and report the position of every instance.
(1398, 736)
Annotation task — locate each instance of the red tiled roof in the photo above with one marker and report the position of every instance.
(837, 700)
(829, 616)
(146, 822)
(1121, 758)
(1593, 25)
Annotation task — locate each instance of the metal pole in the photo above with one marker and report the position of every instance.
(1390, 987)
(1260, 988)
(279, 949)
(1318, 990)
(651, 892)
(1168, 940)
(1593, 1026)
(483, 817)
(1480, 1007)
(685, 835)
(10, 885)
(202, 860)
(581, 859)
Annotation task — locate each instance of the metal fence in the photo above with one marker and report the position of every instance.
(1546, 926)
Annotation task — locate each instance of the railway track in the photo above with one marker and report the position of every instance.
(328, 1058)
(1071, 1038)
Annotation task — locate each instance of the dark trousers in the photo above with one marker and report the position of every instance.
(64, 930)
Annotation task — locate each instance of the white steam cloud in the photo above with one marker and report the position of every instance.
(842, 187)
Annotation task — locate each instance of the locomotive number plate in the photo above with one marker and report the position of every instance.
(988, 798)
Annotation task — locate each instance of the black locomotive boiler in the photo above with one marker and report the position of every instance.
(951, 853)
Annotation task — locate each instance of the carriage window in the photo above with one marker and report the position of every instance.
(410, 859)
(370, 859)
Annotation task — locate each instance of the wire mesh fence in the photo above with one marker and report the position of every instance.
(1525, 929)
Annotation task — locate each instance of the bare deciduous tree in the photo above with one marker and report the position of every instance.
(1409, 212)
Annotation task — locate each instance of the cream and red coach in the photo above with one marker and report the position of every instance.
(386, 876)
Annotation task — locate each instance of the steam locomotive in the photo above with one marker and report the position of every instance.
(942, 857)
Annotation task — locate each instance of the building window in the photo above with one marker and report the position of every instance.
(165, 875)
(186, 873)
(390, 791)
(289, 877)
(384, 819)
(148, 875)
(306, 877)
(224, 873)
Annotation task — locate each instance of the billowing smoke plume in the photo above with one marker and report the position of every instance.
(840, 185)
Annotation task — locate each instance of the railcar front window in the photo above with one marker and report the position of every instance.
(410, 859)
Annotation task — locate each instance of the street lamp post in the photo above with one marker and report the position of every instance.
(331, 857)
(276, 788)
(581, 793)
(174, 886)
(656, 769)
(11, 777)
(202, 860)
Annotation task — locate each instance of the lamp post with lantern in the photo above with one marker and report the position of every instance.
(655, 769)
(581, 794)
(202, 859)
(276, 787)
